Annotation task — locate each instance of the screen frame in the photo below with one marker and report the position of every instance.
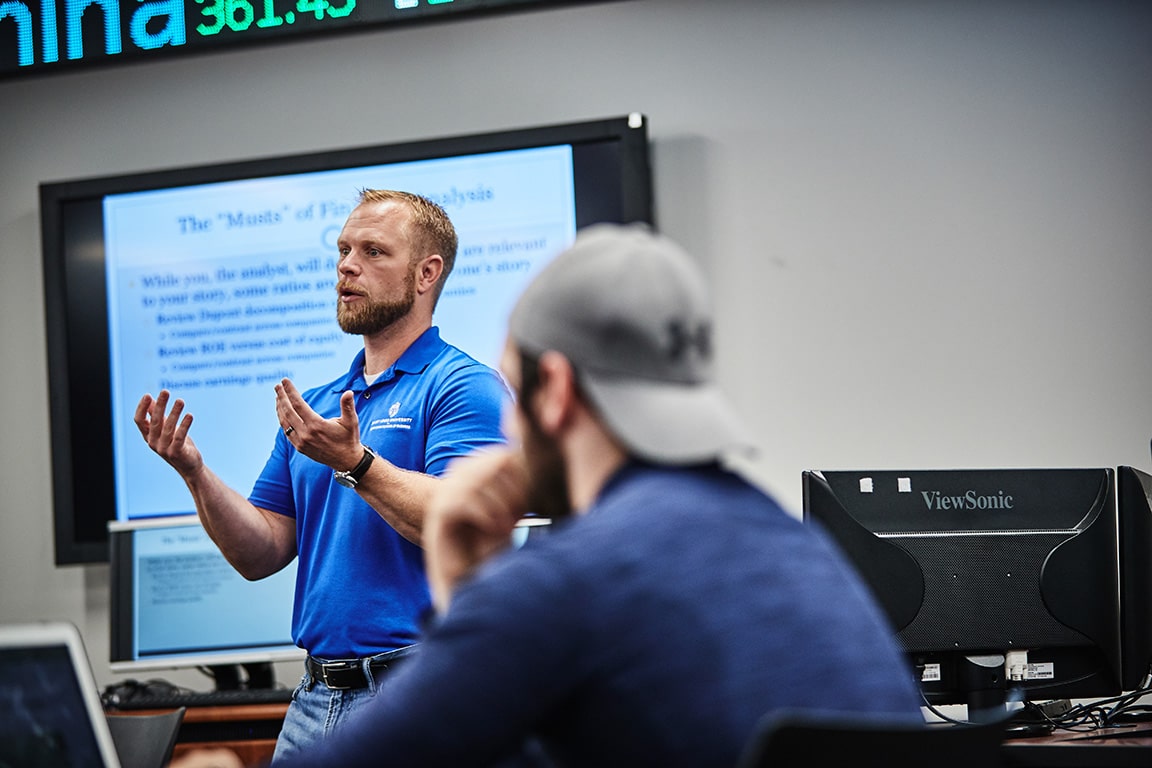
(78, 349)
(897, 580)
(55, 635)
(123, 578)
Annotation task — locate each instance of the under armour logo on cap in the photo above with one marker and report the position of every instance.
(684, 337)
(630, 309)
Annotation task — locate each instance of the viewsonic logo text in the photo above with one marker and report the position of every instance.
(937, 501)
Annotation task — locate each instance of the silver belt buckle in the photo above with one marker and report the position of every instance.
(342, 666)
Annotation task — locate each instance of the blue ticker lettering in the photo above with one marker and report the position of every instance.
(51, 50)
(73, 9)
(22, 17)
(171, 33)
(34, 33)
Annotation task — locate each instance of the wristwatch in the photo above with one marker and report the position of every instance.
(352, 477)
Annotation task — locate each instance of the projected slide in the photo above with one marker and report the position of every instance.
(190, 600)
(218, 291)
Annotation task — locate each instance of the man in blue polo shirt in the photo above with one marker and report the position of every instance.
(351, 472)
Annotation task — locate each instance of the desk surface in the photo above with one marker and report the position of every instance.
(1117, 747)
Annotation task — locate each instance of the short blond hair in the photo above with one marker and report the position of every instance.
(432, 230)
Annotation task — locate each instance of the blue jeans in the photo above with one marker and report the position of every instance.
(317, 710)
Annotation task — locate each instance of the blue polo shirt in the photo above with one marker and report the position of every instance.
(360, 586)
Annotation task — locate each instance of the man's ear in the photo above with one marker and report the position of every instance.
(556, 396)
(431, 267)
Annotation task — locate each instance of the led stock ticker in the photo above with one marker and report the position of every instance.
(57, 35)
(239, 15)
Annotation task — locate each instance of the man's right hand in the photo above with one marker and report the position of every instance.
(167, 433)
(257, 542)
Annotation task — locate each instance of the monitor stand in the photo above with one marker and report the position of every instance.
(257, 675)
(227, 676)
(260, 675)
(983, 680)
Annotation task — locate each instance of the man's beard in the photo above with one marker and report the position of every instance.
(367, 317)
(548, 477)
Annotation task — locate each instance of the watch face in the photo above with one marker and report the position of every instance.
(344, 479)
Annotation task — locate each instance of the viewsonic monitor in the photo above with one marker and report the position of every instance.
(214, 282)
(176, 602)
(995, 580)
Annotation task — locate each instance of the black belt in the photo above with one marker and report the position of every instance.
(348, 674)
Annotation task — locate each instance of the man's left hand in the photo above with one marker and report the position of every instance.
(332, 442)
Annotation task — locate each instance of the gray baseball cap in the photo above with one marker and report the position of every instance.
(630, 309)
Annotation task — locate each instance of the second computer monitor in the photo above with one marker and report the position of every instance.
(998, 582)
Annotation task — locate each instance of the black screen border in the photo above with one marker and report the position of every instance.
(613, 183)
(896, 580)
(124, 655)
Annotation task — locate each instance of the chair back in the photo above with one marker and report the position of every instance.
(145, 741)
(793, 739)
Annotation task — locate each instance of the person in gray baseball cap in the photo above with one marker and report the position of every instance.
(671, 604)
(630, 310)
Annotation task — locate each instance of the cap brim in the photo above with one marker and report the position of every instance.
(668, 423)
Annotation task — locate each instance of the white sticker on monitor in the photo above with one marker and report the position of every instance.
(1043, 670)
(931, 673)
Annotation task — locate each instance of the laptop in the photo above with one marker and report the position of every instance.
(50, 712)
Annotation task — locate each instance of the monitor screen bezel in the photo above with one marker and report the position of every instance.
(612, 184)
(891, 572)
(124, 576)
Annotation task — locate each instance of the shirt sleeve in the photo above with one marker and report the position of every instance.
(465, 416)
(273, 488)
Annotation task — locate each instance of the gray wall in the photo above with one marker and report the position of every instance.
(927, 223)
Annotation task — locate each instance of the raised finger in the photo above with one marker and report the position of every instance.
(157, 414)
(182, 428)
(172, 421)
(348, 413)
(141, 415)
(285, 413)
(293, 398)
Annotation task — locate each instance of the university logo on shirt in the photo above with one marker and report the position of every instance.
(394, 421)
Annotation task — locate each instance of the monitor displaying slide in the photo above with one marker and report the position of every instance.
(176, 602)
(216, 292)
(215, 282)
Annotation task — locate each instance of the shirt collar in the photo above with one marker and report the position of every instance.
(634, 466)
(413, 360)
